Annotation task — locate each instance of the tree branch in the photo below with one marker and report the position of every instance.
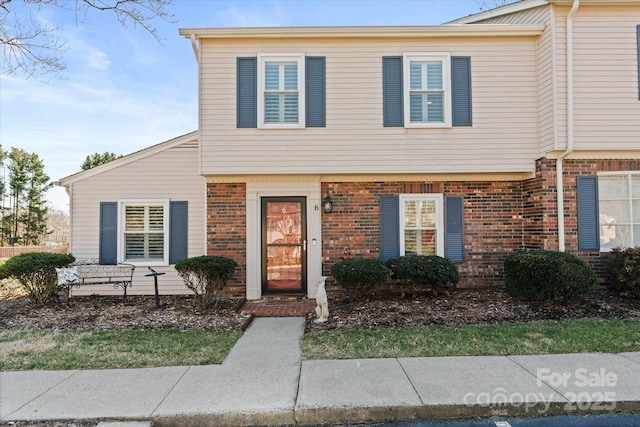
(30, 47)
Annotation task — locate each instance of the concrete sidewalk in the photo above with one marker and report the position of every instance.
(263, 381)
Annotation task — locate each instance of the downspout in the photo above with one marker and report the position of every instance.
(570, 141)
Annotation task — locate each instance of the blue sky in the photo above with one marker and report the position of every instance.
(122, 91)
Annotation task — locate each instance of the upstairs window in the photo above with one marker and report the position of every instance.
(427, 90)
(281, 91)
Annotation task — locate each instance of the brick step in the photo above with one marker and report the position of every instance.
(272, 307)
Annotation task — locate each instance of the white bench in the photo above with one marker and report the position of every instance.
(116, 275)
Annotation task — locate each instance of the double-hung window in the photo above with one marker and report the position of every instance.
(619, 210)
(427, 90)
(281, 90)
(421, 224)
(145, 232)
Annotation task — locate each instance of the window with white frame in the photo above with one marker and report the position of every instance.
(421, 224)
(144, 232)
(281, 90)
(427, 90)
(619, 209)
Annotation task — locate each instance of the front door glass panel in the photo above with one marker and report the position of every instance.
(283, 244)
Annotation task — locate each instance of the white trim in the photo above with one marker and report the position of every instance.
(628, 175)
(263, 58)
(438, 198)
(413, 31)
(283, 188)
(618, 173)
(445, 59)
(121, 228)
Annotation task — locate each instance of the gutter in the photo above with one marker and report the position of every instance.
(570, 140)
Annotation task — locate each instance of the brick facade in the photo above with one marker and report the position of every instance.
(227, 230)
(499, 217)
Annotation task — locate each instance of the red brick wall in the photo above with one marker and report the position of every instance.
(493, 222)
(499, 217)
(493, 227)
(539, 208)
(227, 230)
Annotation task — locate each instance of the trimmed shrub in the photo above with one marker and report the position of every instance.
(420, 273)
(550, 276)
(36, 273)
(206, 276)
(360, 276)
(623, 270)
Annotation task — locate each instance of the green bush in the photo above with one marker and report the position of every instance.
(420, 273)
(36, 273)
(360, 276)
(550, 276)
(623, 270)
(206, 276)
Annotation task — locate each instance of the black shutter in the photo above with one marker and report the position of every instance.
(454, 228)
(247, 93)
(461, 90)
(588, 223)
(108, 245)
(178, 231)
(389, 227)
(392, 104)
(315, 91)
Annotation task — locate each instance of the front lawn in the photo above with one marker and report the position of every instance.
(93, 349)
(538, 337)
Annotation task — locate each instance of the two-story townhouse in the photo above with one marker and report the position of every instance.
(464, 140)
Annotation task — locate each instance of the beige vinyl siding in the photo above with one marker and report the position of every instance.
(607, 109)
(503, 138)
(171, 174)
(547, 80)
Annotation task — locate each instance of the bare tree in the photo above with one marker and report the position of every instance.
(31, 47)
(57, 226)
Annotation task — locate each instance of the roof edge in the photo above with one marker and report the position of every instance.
(128, 158)
(487, 30)
(499, 11)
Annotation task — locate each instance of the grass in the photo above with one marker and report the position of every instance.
(542, 337)
(91, 349)
(25, 350)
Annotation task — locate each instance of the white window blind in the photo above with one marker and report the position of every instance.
(281, 92)
(619, 209)
(144, 233)
(426, 92)
(427, 89)
(421, 221)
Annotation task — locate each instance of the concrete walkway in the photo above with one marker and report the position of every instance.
(262, 381)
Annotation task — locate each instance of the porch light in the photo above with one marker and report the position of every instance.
(327, 203)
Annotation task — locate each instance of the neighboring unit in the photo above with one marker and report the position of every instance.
(463, 140)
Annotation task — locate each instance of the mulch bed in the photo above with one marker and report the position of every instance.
(383, 310)
(106, 312)
(467, 307)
